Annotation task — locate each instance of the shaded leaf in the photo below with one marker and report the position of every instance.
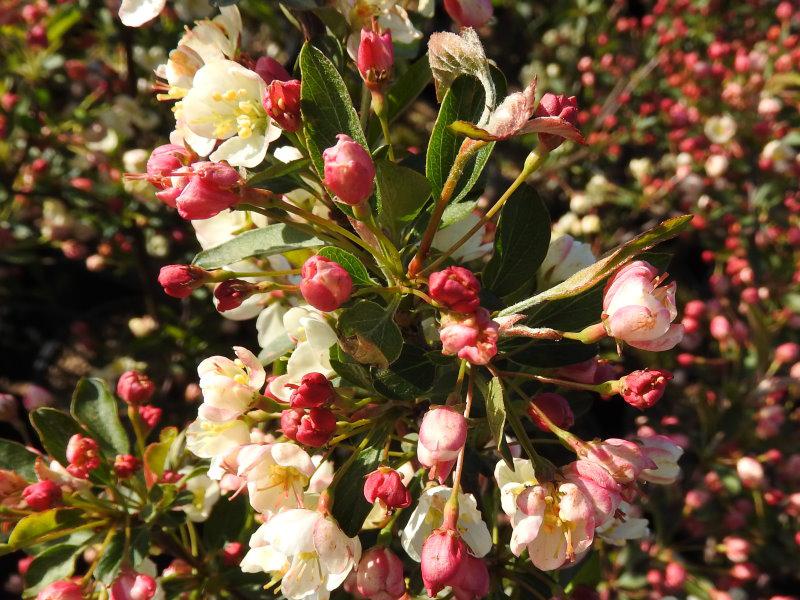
(110, 563)
(370, 330)
(96, 408)
(31, 529)
(16, 457)
(277, 171)
(55, 563)
(409, 377)
(225, 524)
(264, 241)
(496, 410)
(55, 428)
(403, 193)
(593, 274)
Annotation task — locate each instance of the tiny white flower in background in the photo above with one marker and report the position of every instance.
(580, 204)
(641, 168)
(618, 531)
(568, 223)
(314, 338)
(590, 224)
(720, 129)
(224, 103)
(428, 514)
(472, 249)
(306, 551)
(229, 386)
(135, 13)
(208, 439)
(276, 475)
(205, 493)
(716, 165)
(769, 106)
(780, 154)
(565, 257)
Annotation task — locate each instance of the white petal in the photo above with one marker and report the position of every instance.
(242, 152)
(302, 578)
(135, 13)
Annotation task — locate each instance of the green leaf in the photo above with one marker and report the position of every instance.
(140, 545)
(351, 264)
(587, 278)
(31, 529)
(96, 408)
(588, 573)
(16, 457)
(403, 193)
(409, 377)
(463, 101)
(264, 241)
(350, 508)
(350, 371)
(155, 455)
(110, 563)
(55, 428)
(370, 334)
(496, 410)
(55, 563)
(326, 105)
(225, 524)
(520, 244)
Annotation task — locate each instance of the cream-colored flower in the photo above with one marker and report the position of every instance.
(276, 475)
(208, 439)
(229, 386)
(720, 129)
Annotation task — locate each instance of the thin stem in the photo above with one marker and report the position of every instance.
(136, 421)
(468, 149)
(532, 163)
(100, 554)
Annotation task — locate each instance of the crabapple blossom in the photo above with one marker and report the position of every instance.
(61, 590)
(179, 281)
(750, 472)
(125, 465)
(276, 475)
(131, 585)
(442, 435)
(638, 310)
(552, 105)
(83, 456)
(379, 575)
(135, 388)
(325, 284)
(313, 427)
(229, 386)
(282, 103)
(151, 415)
(626, 525)
(428, 514)
(314, 391)
(665, 454)
(386, 485)
(597, 486)
(456, 288)
(470, 337)
(306, 550)
(643, 389)
(624, 460)
(205, 494)
(442, 556)
(469, 13)
(208, 439)
(565, 257)
(224, 103)
(42, 495)
(375, 57)
(349, 171)
(208, 189)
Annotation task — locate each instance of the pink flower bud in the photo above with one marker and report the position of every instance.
(379, 575)
(638, 310)
(61, 590)
(282, 103)
(555, 407)
(125, 465)
(313, 428)
(456, 288)
(232, 553)
(232, 292)
(325, 284)
(642, 389)
(314, 391)
(35, 396)
(42, 495)
(787, 353)
(375, 58)
(469, 13)
(23, 564)
(750, 472)
(210, 190)
(552, 105)
(179, 281)
(442, 555)
(472, 338)
(442, 435)
(135, 388)
(270, 70)
(387, 485)
(720, 328)
(737, 549)
(164, 161)
(472, 580)
(151, 415)
(83, 456)
(674, 576)
(349, 171)
(131, 585)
